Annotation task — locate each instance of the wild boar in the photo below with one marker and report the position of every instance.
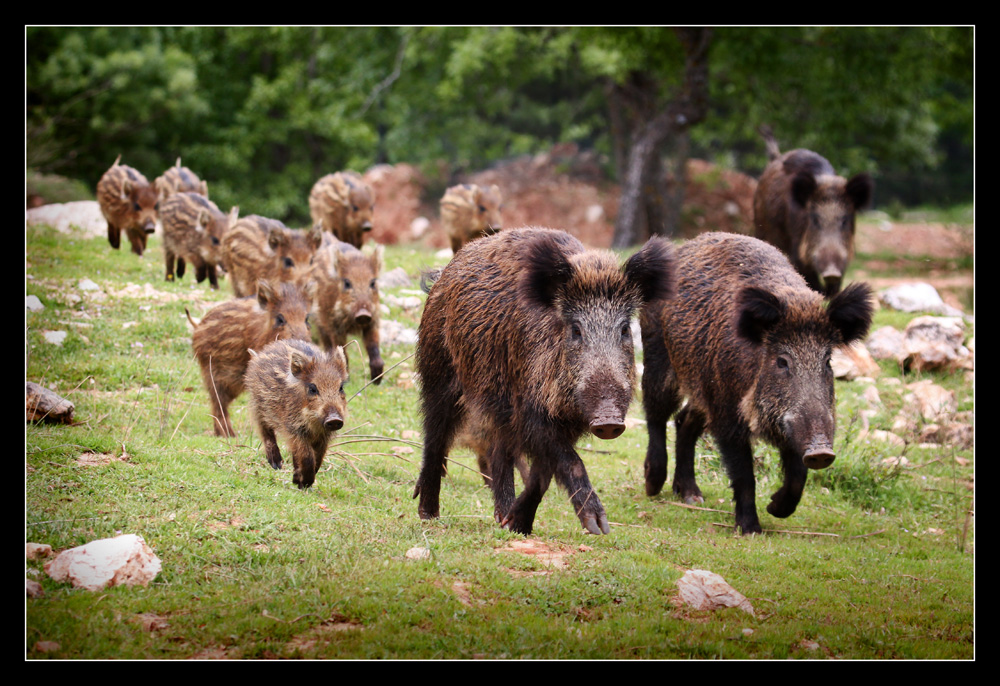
(748, 344)
(297, 390)
(469, 212)
(347, 298)
(130, 204)
(179, 179)
(343, 204)
(193, 229)
(260, 248)
(222, 339)
(802, 207)
(527, 333)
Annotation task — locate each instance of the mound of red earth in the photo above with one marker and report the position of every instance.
(564, 189)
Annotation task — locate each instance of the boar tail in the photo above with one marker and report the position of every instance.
(773, 152)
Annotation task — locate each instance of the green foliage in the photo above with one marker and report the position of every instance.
(874, 564)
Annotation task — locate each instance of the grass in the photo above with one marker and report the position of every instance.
(876, 563)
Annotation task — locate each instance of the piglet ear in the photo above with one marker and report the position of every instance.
(859, 190)
(803, 186)
(298, 361)
(265, 293)
(851, 311)
(545, 270)
(757, 311)
(652, 270)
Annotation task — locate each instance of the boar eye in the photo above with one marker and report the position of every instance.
(135, 206)
(626, 331)
(782, 362)
(372, 284)
(279, 320)
(354, 208)
(347, 284)
(342, 389)
(215, 241)
(289, 263)
(576, 332)
(312, 390)
(156, 207)
(482, 209)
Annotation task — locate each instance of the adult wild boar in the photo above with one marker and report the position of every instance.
(527, 333)
(748, 343)
(802, 207)
(129, 203)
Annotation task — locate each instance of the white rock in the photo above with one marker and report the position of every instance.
(418, 554)
(54, 337)
(704, 590)
(419, 226)
(33, 304)
(917, 297)
(87, 285)
(123, 560)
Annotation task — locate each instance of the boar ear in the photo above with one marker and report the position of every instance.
(298, 361)
(378, 259)
(315, 237)
(859, 190)
(803, 186)
(234, 216)
(545, 271)
(338, 356)
(652, 270)
(275, 237)
(851, 311)
(265, 293)
(757, 310)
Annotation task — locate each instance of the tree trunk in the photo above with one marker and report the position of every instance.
(688, 108)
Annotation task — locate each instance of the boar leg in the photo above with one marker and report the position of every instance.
(521, 516)
(304, 461)
(375, 363)
(271, 450)
(786, 499)
(443, 415)
(658, 401)
(213, 278)
(137, 240)
(690, 424)
(737, 456)
(572, 475)
(501, 457)
(169, 257)
(114, 236)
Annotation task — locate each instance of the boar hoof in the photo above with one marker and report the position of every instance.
(596, 525)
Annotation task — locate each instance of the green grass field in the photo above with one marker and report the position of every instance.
(877, 562)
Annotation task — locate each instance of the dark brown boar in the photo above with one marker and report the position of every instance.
(808, 212)
(297, 389)
(748, 343)
(347, 298)
(260, 248)
(129, 203)
(469, 212)
(193, 229)
(179, 179)
(527, 333)
(223, 337)
(343, 204)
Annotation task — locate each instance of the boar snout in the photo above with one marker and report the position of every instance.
(607, 422)
(819, 457)
(363, 317)
(333, 422)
